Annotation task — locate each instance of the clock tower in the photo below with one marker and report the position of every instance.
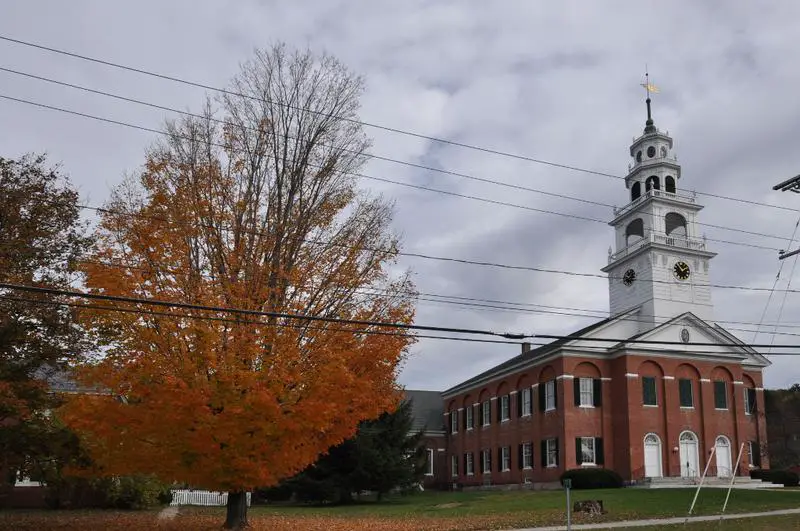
(660, 262)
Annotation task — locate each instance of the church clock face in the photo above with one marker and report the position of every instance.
(629, 277)
(681, 270)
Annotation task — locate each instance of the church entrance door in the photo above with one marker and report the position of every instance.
(690, 458)
(652, 456)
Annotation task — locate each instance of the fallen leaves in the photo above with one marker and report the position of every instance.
(126, 521)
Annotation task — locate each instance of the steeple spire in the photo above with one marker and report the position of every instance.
(649, 125)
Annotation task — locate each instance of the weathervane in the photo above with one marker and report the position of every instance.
(649, 88)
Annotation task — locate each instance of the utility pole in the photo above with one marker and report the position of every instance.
(789, 185)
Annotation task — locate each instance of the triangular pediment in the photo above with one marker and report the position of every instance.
(684, 335)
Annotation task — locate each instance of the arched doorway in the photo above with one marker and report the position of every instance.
(652, 456)
(723, 452)
(689, 455)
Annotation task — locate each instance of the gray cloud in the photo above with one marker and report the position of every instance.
(555, 80)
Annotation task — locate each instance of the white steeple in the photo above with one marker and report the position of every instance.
(660, 262)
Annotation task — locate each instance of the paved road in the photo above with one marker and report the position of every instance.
(663, 521)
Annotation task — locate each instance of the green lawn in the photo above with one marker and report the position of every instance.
(440, 511)
(619, 503)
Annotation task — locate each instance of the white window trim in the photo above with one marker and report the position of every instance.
(526, 412)
(454, 422)
(554, 453)
(487, 461)
(529, 446)
(593, 462)
(429, 469)
(486, 413)
(590, 392)
(505, 456)
(505, 412)
(470, 471)
(747, 405)
(548, 404)
(469, 414)
(454, 466)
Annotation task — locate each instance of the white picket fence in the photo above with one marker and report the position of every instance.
(201, 497)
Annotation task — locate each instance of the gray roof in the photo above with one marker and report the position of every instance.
(528, 356)
(427, 408)
(60, 380)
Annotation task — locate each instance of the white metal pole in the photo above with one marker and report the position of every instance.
(733, 478)
(697, 492)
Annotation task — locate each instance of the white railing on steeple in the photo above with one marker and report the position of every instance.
(683, 197)
(660, 238)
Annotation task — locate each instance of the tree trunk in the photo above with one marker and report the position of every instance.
(236, 511)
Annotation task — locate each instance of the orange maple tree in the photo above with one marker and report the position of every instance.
(252, 206)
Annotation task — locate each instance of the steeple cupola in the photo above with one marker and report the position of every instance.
(661, 262)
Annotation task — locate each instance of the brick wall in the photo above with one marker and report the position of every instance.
(619, 421)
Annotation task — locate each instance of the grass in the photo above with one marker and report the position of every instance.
(454, 511)
(644, 503)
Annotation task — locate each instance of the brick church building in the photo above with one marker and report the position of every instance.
(652, 404)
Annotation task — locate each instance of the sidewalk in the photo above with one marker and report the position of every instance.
(663, 521)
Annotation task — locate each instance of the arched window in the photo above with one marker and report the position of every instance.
(639, 156)
(669, 184)
(636, 191)
(652, 183)
(688, 436)
(634, 231)
(675, 225)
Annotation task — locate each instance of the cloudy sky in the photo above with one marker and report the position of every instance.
(555, 81)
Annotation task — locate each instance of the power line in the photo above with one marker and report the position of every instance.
(259, 313)
(405, 326)
(361, 175)
(370, 332)
(496, 305)
(370, 155)
(355, 121)
(248, 321)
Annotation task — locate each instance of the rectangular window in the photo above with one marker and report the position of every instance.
(526, 402)
(429, 464)
(468, 415)
(587, 451)
(469, 464)
(551, 447)
(720, 395)
(505, 458)
(586, 392)
(685, 391)
(749, 401)
(527, 455)
(753, 454)
(505, 407)
(454, 465)
(486, 413)
(486, 461)
(649, 396)
(454, 421)
(550, 395)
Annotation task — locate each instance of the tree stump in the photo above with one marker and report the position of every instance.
(591, 507)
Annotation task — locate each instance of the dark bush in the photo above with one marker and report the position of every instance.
(127, 492)
(281, 492)
(592, 478)
(786, 478)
